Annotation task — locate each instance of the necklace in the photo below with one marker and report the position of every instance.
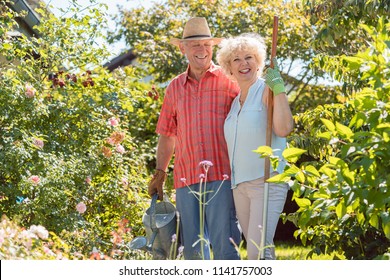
(242, 98)
(241, 101)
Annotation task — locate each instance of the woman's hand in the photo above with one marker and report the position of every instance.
(274, 80)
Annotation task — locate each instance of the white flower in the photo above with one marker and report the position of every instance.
(120, 149)
(205, 163)
(40, 231)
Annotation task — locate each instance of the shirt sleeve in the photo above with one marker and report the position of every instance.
(167, 122)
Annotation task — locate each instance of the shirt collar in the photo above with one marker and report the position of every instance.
(212, 70)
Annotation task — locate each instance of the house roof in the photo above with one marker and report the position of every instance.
(120, 61)
(26, 23)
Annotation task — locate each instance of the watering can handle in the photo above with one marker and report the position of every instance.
(153, 212)
(152, 215)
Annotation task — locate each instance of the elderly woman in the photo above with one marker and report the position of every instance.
(242, 58)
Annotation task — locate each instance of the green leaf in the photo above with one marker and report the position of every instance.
(263, 150)
(348, 175)
(300, 177)
(343, 130)
(302, 202)
(312, 170)
(386, 137)
(374, 221)
(292, 154)
(386, 229)
(353, 62)
(292, 170)
(326, 135)
(7, 46)
(360, 217)
(383, 125)
(358, 120)
(336, 161)
(341, 210)
(327, 170)
(329, 125)
(280, 178)
(385, 216)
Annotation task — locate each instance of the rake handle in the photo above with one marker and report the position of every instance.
(268, 143)
(270, 100)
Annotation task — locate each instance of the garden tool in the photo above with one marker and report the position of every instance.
(268, 143)
(160, 226)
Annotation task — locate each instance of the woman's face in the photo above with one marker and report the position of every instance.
(244, 66)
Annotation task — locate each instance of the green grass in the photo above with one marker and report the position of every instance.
(286, 251)
(291, 251)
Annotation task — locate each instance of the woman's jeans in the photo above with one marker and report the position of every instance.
(249, 201)
(220, 222)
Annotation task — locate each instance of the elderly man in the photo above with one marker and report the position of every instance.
(191, 127)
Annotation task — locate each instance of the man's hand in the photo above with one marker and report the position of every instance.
(157, 183)
(274, 80)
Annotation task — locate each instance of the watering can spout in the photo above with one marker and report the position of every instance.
(139, 243)
(160, 225)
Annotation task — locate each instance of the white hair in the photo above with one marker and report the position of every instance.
(251, 42)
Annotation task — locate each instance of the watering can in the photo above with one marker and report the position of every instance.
(160, 225)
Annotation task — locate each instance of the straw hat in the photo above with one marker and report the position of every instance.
(196, 29)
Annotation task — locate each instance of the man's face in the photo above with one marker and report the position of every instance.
(198, 52)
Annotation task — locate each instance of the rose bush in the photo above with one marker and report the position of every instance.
(72, 135)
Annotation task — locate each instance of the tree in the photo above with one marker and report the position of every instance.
(147, 32)
(337, 23)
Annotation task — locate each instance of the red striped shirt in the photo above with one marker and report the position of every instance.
(195, 113)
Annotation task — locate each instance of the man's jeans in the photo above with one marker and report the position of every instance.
(219, 219)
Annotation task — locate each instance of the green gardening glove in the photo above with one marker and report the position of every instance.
(274, 80)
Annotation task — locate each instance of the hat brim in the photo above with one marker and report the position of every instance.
(176, 41)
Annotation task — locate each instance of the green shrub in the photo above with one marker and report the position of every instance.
(343, 194)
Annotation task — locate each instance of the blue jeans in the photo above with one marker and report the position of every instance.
(220, 221)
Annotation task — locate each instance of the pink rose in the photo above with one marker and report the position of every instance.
(88, 180)
(38, 142)
(106, 152)
(35, 179)
(110, 141)
(113, 121)
(29, 91)
(81, 207)
(124, 182)
(120, 149)
(116, 138)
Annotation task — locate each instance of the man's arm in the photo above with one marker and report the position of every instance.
(165, 149)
